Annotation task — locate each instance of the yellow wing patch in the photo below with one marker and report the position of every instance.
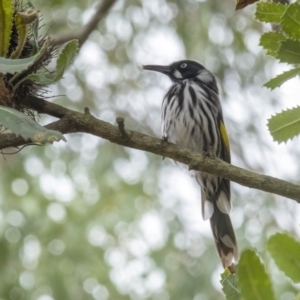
(224, 136)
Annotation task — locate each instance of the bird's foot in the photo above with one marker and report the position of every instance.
(163, 140)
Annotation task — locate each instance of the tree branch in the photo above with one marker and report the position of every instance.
(72, 121)
(83, 34)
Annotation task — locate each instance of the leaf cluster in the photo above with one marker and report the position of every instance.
(252, 281)
(24, 60)
(284, 45)
(26, 127)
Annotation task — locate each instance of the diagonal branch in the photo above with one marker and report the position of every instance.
(72, 121)
(83, 34)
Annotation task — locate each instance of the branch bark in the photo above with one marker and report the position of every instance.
(83, 34)
(72, 121)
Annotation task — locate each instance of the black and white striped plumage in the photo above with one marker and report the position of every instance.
(192, 118)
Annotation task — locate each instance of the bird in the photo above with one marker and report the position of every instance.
(192, 117)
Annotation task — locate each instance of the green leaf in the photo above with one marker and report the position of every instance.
(285, 251)
(11, 66)
(6, 20)
(23, 125)
(271, 41)
(254, 282)
(22, 21)
(289, 52)
(36, 58)
(230, 286)
(291, 21)
(64, 60)
(285, 125)
(41, 78)
(269, 12)
(282, 78)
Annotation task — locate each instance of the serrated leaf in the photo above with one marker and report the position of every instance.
(240, 4)
(254, 282)
(271, 41)
(285, 251)
(36, 58)
(64, 60)
(285, 125)
(289, 52)
(12, 66)
(282, 78)
(230, 286)
(23, 125)
(269, 12)
(291, 21)
(41, 78)
(6, 20)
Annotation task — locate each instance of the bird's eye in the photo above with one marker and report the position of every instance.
(183, 66)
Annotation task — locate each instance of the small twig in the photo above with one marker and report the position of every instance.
(121, 126)
(87, 111)
(19, 149)
(83, 34)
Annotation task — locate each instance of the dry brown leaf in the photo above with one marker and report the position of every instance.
(240, 4)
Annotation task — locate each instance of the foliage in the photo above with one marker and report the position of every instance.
(6, 20)
(280, 79)
(11, 66)
(230, 285)
(26, 127)
(252, 277)
(285, 46)
(285, 125)
(23, 62)
(286, 253)
(64, 60)
(253, 280)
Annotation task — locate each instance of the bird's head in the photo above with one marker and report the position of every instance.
(186, 69)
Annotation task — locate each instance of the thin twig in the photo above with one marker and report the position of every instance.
(121, 126)
(83, 34)
(20, 149)
(87, 111)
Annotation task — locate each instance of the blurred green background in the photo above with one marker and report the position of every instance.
(88, 219)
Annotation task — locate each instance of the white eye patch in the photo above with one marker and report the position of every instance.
(183, 66)
(205, 76)
(177, 74)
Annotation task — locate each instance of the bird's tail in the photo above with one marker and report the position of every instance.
(224, 236)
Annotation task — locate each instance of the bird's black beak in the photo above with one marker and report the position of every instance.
(162, 69)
